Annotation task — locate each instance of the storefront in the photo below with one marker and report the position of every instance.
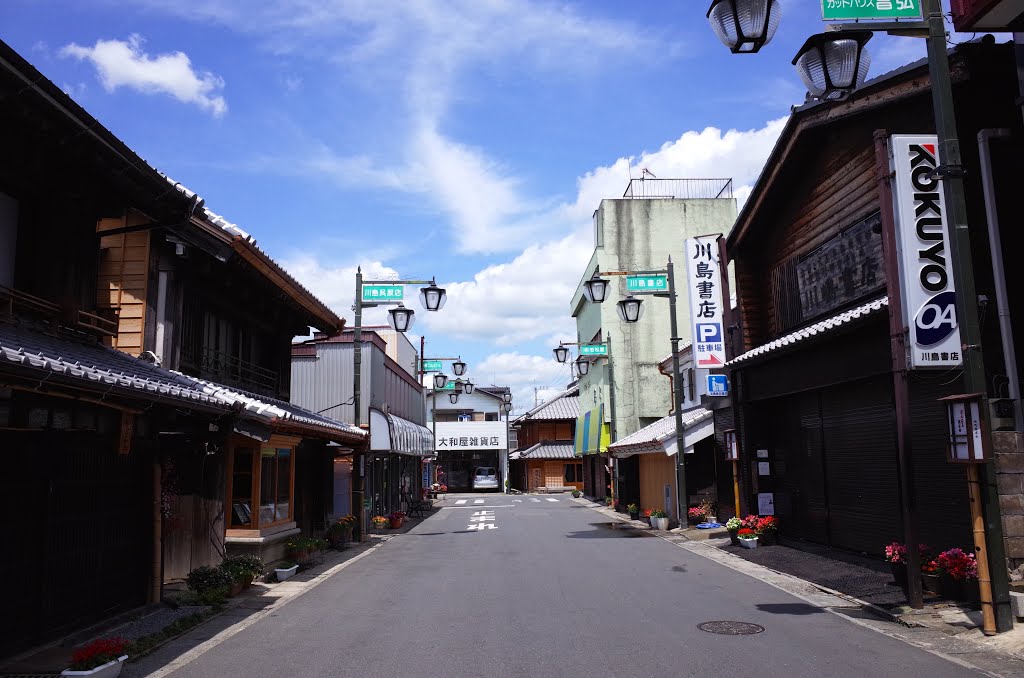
(464, 446)
(399, 449)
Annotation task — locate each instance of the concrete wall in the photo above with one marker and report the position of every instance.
(641, 235)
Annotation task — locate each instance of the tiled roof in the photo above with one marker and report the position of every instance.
(565, 405)
(547, 450)
(816, 330)
(104, 369)
(652, 436)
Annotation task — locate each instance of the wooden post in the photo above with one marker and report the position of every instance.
(736, 485)
(988, 613)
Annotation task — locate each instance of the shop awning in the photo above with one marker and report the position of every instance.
(698, 424)
(391, 433)
(818, 330)
(592, 435)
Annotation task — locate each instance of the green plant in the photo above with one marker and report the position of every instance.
(380, 521)
(658, 513)
(608, 501)
(206, 578)
(577, 494)
(243, 568)
(632, 508)
(286, 565)
(733, 524)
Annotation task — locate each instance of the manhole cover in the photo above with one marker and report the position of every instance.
(731, 628)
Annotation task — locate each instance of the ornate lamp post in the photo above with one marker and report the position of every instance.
(833, 64)
(744, 26)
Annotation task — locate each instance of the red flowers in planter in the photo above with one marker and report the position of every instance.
(958, 564)
(767, 524)
(97, 653)
(746, 533)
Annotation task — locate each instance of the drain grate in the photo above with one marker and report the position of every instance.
(731, 628)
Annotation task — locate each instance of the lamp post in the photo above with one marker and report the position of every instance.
(400, 318)
(950, 171)
(596, 289)
(630, 310)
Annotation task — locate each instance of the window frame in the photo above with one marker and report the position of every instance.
(256, 525)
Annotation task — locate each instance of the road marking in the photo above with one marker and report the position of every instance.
(554, 500)
(478, 501)
(461, 501)
(448, 508)
(482, 526)
(518, 501)
(535, 499)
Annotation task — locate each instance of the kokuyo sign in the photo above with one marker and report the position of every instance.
(922, 237)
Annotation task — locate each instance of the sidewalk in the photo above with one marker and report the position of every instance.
(859, 589)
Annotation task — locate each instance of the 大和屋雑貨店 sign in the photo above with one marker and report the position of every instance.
(843, 10)
(704, 285)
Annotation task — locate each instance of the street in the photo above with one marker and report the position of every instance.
(493, 585)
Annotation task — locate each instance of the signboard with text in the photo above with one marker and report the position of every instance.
(471, 435)
(432, 366)
(593, 349)
(842, 10)
(922, 236)
(704, 285)
(373, 293)
(718, 385)
(647, 283)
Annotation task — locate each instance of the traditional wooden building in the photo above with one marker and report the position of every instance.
(812, 366)
(544, 459)
(122, 473)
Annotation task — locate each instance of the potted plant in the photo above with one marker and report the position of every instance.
(395, 520)
(931, 577)
(340, 531)
(896, 556)
(242, 569)
(210, 582)
(577, 494)
(767, 526)
(959, 575)
(659, 519)
(747, 537)
(695, 514)
(634, 511)
(708, 508)
(380, 522)
(102, 658)
(647, 516)
(733, 525)
(607, 501)
(286, 570)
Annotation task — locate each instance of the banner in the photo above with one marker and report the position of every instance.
(922, 234)
(592, 435)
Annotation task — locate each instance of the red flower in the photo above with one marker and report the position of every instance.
(746, 533)
(97, 653)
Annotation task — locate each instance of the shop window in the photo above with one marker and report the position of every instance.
(261, 479)
(574, 473)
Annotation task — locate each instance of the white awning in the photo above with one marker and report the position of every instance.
(391, 433)
(698, 424)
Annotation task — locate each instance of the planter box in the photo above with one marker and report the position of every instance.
(108, 670)
(660, 523)
(286, 573)
(748, 543)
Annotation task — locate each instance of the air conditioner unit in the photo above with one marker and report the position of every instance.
(1001, 414)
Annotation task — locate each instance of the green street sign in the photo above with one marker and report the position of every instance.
(647, 283)
(450, 386)
(373, 293)
(432, 366)
(594, 349)
(842, 10)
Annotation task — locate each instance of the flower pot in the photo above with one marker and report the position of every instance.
(766, 538)
(111, 669)
(931, 582)
(734, 538)
(236, 588)
(634, 515)
(660, 523)
(396, 523)
(748, 543)
(899, 574)
(286, 573)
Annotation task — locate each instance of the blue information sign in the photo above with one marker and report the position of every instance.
(718, 385)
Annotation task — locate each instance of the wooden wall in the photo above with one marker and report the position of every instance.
(122, 281)
(656, 471)
(552, 474)
(545, 431)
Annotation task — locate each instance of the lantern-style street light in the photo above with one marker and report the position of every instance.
(433, 297)
(440, 380)
(834, 63)
(468, 387)
(506, 407)
(561, 353)
(453, 398)
(401, 318)
(744, 26)
(459, 368)
(595, 289)
(507, 396)
(582, 366)
(630, 309)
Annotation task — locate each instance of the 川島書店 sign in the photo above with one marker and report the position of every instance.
(704, 283)
(922, 237)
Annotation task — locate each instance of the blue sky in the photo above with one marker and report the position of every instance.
(464, 139)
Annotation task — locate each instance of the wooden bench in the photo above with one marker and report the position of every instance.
(417, 507)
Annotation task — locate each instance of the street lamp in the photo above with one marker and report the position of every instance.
(834, 63)
(506, 407)
(453, 397)
(744, 26)
(933, 29)
(595, 289)
(561, 353)
(440, 380)
(433, 297)
(459, 368)
(401, 318)
(630, 310)
(582, 366)
(507, 396)
(468, 386)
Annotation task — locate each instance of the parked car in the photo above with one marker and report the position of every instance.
(485, 478)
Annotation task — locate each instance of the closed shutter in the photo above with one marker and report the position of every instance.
(860, 465)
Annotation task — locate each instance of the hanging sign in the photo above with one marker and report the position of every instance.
(373, 293)
(842, 10)
(922, 237)
(704, 283)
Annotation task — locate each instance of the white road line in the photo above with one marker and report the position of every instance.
(476, 501)
(461, 501)
(518, 501)
(554, 500)
(535, 499)
(452, 508)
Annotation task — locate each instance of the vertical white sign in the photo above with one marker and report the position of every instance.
(704, 284)
(922, 238)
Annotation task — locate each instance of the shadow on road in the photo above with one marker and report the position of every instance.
(799, 609)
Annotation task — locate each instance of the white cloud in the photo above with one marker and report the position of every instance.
(124, 64)
(521, 373)
(336, 286)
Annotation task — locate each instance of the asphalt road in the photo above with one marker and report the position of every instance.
(546, 592)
